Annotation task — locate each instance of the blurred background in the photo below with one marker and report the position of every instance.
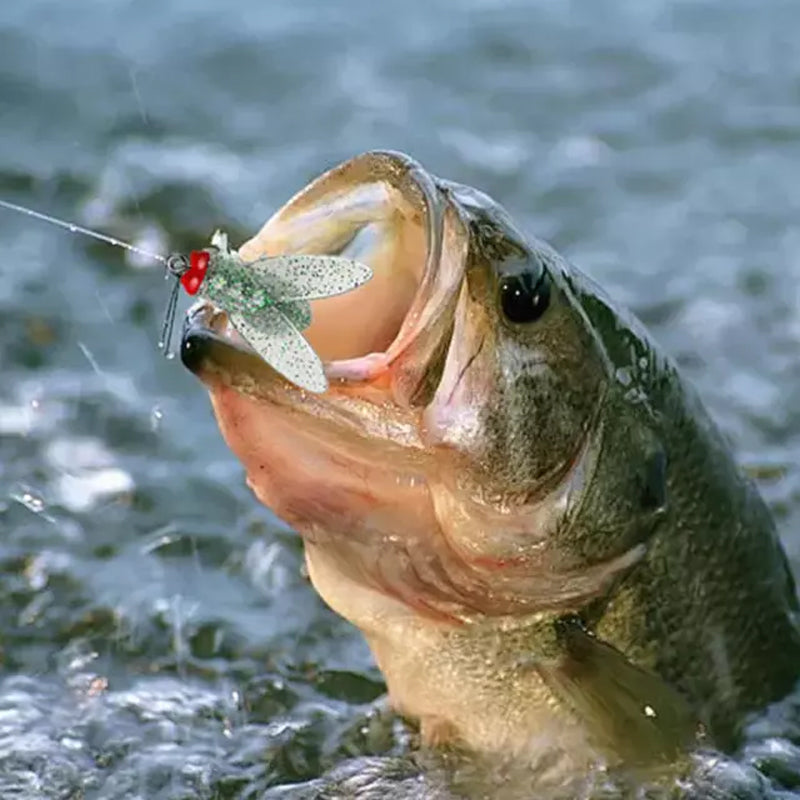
(157, 635)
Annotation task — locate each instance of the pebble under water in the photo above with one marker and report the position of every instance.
(158, 638)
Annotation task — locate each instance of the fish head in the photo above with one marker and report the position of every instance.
(465, 382)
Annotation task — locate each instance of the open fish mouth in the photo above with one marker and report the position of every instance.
(382, 339)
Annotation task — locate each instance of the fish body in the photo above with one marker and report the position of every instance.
(507, 487)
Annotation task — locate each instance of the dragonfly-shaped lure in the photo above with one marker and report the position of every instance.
(267, 300)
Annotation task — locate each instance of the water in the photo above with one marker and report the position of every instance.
(158, 638)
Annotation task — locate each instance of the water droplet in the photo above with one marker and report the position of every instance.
(73, 228)
(31, 501)
(170, 356)
(79, 662)
(623, 376)
(71, 743)
(649, 711)
(83, 490)
(156, 415)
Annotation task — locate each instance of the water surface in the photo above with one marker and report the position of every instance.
(158, 638)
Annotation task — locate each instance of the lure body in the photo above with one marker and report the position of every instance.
(251, 291)
(267, 301)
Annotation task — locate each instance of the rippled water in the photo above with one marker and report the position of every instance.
(157, 636)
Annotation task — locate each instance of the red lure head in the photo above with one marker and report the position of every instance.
(193, 278)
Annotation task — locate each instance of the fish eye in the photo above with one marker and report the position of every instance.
(525, 297)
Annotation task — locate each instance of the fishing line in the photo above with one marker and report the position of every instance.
(176, 264)
(71, 226)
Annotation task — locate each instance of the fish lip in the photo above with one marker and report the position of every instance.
(203, 347)
(197, 338)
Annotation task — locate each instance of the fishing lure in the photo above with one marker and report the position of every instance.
(267, 300)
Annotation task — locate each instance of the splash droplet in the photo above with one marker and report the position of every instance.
(156, 415)
(30, 500)
(623, 376)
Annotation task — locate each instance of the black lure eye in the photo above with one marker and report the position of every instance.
(524, 297)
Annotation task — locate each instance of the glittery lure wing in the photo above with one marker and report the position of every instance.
(309, 277)
(284, 348)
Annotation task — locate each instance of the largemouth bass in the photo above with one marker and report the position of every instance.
(508, 488)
